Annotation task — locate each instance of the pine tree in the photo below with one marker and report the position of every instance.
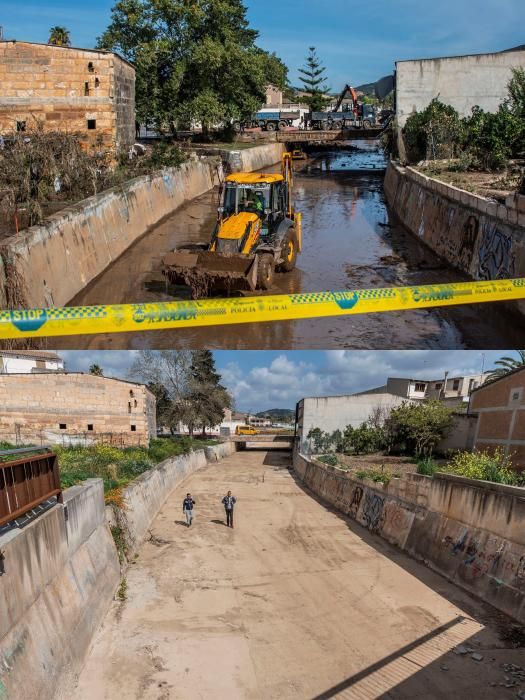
(314, 82)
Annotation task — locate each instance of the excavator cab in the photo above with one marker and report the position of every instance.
(257, 233)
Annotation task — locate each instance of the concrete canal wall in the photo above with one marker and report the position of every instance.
(59, 574)
(482, 238)
(49, 264)
(471, 532)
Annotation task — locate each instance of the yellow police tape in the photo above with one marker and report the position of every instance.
(40, 323)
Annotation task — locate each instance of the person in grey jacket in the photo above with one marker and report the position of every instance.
(229, 502)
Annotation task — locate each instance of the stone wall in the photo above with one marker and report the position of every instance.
(500, 409)
(75, 408)
(68, 89)
(146, 495)
(61, 572)
(472, 532)
(50, 264)
(460, 81)
(250, 159)
(482, 238)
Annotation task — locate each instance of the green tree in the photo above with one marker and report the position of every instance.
(96, 370)
(164, 404)
(506, 365)
(195, 61)
(419, 426)
(209, 399)
(59, 36)
(314, 82)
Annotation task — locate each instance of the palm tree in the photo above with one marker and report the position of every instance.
(506, 365)
(96, 370)
(59, 36)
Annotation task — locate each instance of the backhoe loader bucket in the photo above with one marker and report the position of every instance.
(205, 272)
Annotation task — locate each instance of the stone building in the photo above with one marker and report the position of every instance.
(75, 408)
(76, 90)
(460, 81)
(500, 409)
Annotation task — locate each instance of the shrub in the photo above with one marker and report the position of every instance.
(329, 459)
(378, 475)
(418, 427)
(485, 466)
(434, 133)
(427, 467)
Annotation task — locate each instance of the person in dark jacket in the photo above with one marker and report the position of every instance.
(229, 502)
(187, 508)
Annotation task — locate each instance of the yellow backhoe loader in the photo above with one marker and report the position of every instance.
(258, 232)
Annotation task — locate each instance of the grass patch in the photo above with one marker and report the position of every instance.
(427, 467)
(122, 593)
(331, 460)
(118, 467)
(378, 476)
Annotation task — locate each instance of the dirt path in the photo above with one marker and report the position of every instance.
(296, 602)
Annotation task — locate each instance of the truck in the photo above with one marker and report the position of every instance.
(356, 115)
(268, 121)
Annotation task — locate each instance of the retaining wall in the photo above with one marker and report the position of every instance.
(482, 238)
(471, 532)
(48, 265)
(61, 572)
(146, 495)
(250, 159)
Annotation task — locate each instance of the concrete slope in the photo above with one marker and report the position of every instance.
(296, 602)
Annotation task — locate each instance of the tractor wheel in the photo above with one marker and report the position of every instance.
(270, 126)
(289, 251)
(282, 125)
(265, 271)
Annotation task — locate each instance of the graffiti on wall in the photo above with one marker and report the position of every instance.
(373, 511)
(467, 242)
(357, 497)
(496, 254)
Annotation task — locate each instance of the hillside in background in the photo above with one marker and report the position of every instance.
(278, 415)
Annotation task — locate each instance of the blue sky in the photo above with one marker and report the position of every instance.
(358, 42)
(260, 380)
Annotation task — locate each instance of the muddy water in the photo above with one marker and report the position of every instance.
(349, 241)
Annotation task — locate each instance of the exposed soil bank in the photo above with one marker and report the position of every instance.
(50, 264)
(350, 240)
(61, 572)
(297, 601)
(471, 532)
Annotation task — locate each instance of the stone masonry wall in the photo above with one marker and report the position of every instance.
(68, 89)
(34, 406)
(471, 532)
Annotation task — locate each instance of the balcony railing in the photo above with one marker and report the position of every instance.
(26, 481)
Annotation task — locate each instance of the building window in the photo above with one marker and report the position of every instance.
(90, 426)
(455, 386)
(63, 426)
(439, 386)
(131, 393)
(21, 126)
(129, 406)
(91, 67)
(97, 82)
(86, 91)
(91, 124)
(421, 387)
(133, 428)
(136, 403)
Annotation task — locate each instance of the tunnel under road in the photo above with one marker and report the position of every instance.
(296, 602)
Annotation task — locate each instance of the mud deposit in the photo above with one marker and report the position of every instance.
(349, 242)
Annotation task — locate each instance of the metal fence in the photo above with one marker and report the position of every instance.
(26, 481)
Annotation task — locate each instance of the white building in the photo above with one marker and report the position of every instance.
(460, 81)
(446, 388)
(330, 413)
(29, 362)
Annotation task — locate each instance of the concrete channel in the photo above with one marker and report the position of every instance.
(298, 601)
(351, 240)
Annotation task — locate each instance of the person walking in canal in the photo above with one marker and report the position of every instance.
(187, 509)
(229, 502)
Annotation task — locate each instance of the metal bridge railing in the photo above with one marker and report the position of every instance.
(27, 482)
